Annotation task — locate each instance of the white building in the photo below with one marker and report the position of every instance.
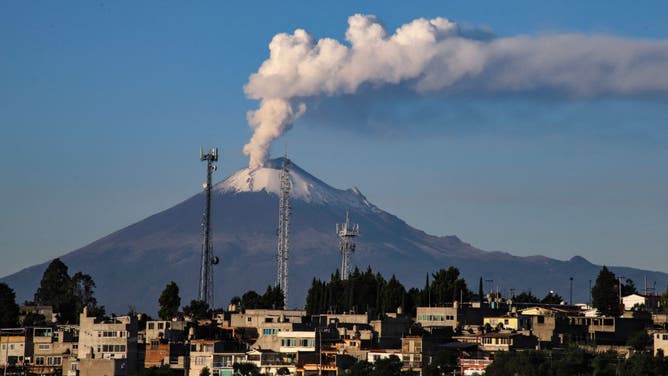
(661, 342)
(113, 339)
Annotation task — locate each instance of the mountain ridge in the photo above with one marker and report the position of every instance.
(131, 266)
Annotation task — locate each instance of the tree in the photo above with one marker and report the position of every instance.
(250, 300)
(447, 286)
(170, 301)
(392, 295)
(245, 369)
(552, 298)
(33, 319)
(481, 294)
(82, 289)
(525, 297)
(639, 341)
(67, 295)
(629, 287)
(283, 371)
(9, 310)
(390, 366)
(56, 290)
(205, 372)
(604, 293)
(361, 368)
(197, 310)
(272, 298)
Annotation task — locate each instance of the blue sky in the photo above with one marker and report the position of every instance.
(104, 105)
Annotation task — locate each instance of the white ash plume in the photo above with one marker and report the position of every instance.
(435, 56)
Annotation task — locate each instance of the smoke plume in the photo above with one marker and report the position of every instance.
(437, 56)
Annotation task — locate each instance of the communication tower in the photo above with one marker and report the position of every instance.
(208, 259)
(284, 211)
(347, 234)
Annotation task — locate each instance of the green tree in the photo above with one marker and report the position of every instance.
(33, 319)
(525, 297)
(392, 295)
(447, 287)
(629, 287)
(390, 366)
(639, 341)
(205, 372)
(481, 294)
(250, 300)
(272, 298)
(197, 310)
(83, 288)
(245, 369)
(56, 290)
(552, 298)
(604, 293)
(361, 368)
(604, 364)
(170, 301)
(9, 310)
(444, 362)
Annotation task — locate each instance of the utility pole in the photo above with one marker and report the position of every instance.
(208, 259)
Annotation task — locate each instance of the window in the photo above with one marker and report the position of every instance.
(266, 332)
(200, 360)
(39, 360)
(541, 319)
(151, 326)
(161, 326)
(250, 319)
(44, 346)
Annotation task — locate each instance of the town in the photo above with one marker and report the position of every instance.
(360, 324)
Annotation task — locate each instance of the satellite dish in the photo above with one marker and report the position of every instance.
(215, 260)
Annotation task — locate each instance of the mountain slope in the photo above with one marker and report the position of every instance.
(132, 265)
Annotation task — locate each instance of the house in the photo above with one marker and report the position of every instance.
(506, 341)
(474, 366)
(455, 315)
(51, 348)
(556, 326)
(107, 346)
(269, 362)
(15, 347)
(660, 342)
(514, 322)
(641, 302)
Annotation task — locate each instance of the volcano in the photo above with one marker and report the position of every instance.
(132, 266)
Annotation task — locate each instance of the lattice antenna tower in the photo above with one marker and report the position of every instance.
(347, 234)
(284, 212)
(208, 259)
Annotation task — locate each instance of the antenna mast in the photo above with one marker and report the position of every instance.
(284, 211)
(346, 233)
(208, 259)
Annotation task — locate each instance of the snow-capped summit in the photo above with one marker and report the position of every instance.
(304, 186)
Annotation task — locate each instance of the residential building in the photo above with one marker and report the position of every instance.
(114, 339)
(641, 302)
(661, 342)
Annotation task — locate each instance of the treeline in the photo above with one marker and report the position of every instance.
(370, 292)
(575, 361)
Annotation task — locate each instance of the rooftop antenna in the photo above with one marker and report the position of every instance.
(208, 259)
(284, 211)
(347, 234)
